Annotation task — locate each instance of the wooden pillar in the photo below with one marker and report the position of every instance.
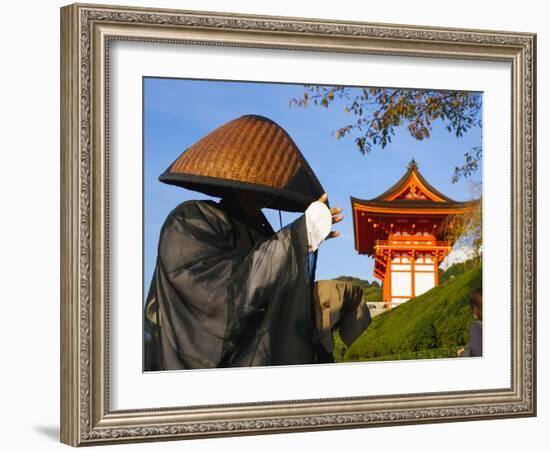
(413, 294)
(387, 282)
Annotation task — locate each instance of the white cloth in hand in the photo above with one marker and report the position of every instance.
(318, 224)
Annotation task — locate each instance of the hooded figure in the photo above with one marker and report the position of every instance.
(227, 290)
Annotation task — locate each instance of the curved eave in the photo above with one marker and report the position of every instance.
(408, 207)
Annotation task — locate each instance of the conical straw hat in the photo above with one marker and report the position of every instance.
(248, 153)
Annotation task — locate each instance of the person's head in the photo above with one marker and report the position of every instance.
(476, 303)
(253, 200)
(249, 203)
(251, 155)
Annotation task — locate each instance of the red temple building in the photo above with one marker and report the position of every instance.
(404, 229)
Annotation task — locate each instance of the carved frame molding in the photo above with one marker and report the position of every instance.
(86, 32)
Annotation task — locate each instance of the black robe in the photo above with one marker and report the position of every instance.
(229, 292)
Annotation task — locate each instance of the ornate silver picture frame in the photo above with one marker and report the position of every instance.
(87, 34)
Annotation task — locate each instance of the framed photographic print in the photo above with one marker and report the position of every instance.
(276, 224)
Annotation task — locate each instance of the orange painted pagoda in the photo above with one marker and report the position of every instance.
(403, 230)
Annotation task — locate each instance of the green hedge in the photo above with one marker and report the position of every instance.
(445, 352)
(432, 325)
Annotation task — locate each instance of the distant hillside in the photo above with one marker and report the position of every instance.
(371, 290)
(456, 269)
(435, 324)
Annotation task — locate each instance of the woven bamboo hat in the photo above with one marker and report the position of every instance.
(248, 153)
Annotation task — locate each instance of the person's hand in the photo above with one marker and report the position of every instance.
(336, 215)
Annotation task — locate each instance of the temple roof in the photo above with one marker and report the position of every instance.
(411, 200)
(412, 193)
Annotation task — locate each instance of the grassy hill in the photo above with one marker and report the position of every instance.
(435, 324)
(456, 269)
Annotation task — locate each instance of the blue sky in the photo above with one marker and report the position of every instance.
(178, 112)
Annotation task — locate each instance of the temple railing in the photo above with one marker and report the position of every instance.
(414, 240)
(383, 249)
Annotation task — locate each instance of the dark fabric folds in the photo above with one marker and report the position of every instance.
(229, 292)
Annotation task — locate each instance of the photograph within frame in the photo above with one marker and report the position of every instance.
(200, 331)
